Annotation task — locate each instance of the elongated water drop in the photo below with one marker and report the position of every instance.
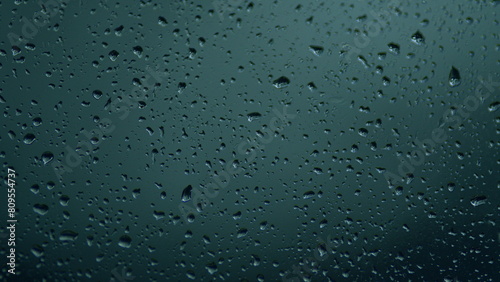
(186, 193)
(454, 77)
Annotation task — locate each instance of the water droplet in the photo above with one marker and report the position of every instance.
(158, 214)
(38, 251)
(254, 115)
(118, 30)
(37, 121)
(393, 48)
(316, 50)
(281, 82)
(190, 274)
(398, 191)
(418, 38)
(181, 86)
(15, 50)
(68, 236)
(113, 55)
(454, 77)
(186, 193)
(29, 138)
(41, 209)
(162, 21)
(63, 200)
(479, 200)
(242, 233)
(237, 215)
(451, 186)
(47, 157)
(125, 241)
(97, 94)
(137, 51)
(211, 267)
(493, 107)
(363, 132)
(50, 185)
(311, 86)
(308, 195)
(323, 223)
(263, 225)
(192, 53)
(317, 170)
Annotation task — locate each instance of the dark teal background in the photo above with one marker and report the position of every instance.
(129, 133)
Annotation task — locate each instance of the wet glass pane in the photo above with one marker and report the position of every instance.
(250, 140)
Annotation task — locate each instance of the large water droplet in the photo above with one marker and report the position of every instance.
(41, 209)
(68, 236)
(125, 241)
(47, 157)
(242, 233)
(479, 200)
(29, 138)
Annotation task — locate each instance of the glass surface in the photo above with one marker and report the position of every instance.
(250, 140)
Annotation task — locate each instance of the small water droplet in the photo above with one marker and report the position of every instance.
(363, 132)
(418, 38)
(68, 236)
(393, 48)
(38, 251)
(113, 55)
(137, 51)
(186, 193)
(162, 21)
(254, 115)
(97, 94)
(493, 107)
(454, 77)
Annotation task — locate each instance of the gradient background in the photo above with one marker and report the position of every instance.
(203, 68)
